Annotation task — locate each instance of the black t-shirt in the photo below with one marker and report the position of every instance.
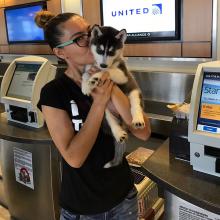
(90, 189)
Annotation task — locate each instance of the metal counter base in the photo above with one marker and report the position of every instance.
(31, 174)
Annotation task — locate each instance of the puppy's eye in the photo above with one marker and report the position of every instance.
(111, 51)
(100, 49)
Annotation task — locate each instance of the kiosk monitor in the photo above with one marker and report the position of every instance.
(204, 119)
(21, 86)
(22, 81)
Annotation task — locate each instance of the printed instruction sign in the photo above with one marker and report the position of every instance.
(23, 167)
(179, 209)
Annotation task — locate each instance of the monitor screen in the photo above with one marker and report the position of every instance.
(209, 107)
(143, 20)
(22, 81)
(20, 24)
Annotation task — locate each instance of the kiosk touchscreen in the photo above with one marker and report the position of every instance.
(21, 86)
(204, 119)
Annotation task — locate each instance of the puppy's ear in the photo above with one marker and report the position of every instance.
(95, 31)
(122, 35)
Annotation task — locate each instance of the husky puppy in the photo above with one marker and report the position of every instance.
(107, 47)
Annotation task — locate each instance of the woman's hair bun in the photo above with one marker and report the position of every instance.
(42, 17)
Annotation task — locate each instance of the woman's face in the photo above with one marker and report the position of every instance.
(73, 54)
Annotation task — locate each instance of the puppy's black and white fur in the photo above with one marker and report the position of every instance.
(107, 47)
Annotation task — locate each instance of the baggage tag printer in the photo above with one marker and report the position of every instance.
(21, 86)
(204, 119)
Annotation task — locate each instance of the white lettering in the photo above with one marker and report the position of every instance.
(74, 108)
(129, 12)
(77, 123)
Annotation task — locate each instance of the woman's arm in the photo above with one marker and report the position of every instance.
(122, 106)
(75, 147)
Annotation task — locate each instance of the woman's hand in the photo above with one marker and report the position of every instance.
(102, 93)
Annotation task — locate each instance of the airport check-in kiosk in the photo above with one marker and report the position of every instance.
(29, 160)
(21, 86)
(204, 119)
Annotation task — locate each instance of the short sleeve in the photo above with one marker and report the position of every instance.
(51, 96)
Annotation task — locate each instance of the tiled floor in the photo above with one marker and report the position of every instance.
(4, 214)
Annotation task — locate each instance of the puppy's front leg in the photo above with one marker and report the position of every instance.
(95, 79)
(86, 89)
(136, 109)
(117, 76)
(90, 82)
(117, 131)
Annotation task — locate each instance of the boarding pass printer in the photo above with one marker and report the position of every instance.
(21, 86)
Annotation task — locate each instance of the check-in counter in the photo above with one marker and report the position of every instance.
(31, 172)
(178, 180)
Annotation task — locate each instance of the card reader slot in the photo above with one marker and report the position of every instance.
(212, 151)
(18, 113)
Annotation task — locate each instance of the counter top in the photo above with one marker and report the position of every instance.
(179, 178)
(15, 133)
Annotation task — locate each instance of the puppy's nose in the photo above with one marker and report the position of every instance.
(103, 65)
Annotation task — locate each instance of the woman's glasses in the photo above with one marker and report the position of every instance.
(81, 41)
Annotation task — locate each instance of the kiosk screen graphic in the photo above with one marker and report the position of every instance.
(209, 108)
(22, 81)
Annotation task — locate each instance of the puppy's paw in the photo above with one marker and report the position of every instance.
(121, 136)
(108, 165)
(94, 81)
(138, 122)
(86, 89)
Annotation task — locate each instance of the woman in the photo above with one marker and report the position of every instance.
(88, 190)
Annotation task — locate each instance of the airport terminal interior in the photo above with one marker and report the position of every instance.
(172, 50)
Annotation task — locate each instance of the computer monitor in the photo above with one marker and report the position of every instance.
(204, 119)
(20, 24)
(22, 81)
(143, 20)
(21, 86)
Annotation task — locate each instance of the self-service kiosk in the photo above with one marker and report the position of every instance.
(21, 86)
(204, 119)
(29, 160)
